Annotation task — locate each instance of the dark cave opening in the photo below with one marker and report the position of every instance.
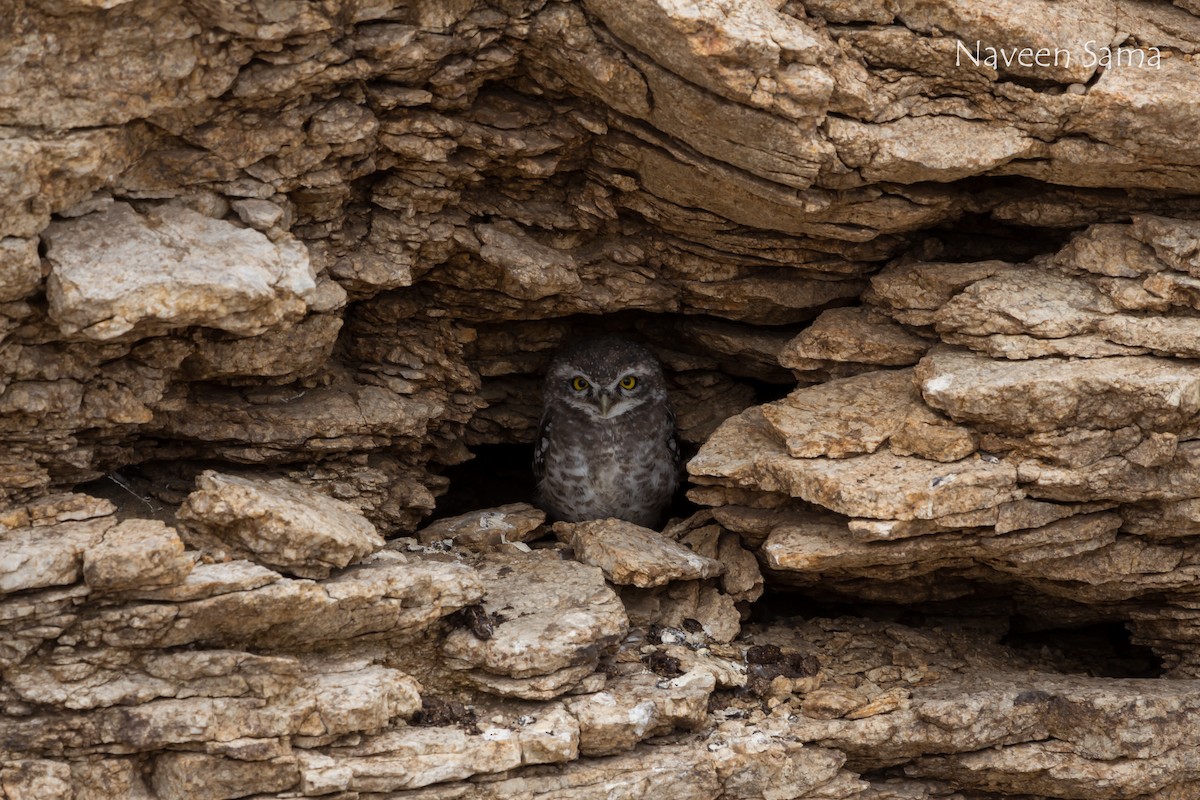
(979, 236)
(1103, 649)
(503, 473)
(498, 474)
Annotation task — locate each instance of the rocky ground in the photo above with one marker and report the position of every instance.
(610, 658)
(278, 281)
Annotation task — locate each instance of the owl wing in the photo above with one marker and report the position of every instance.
(542, 444)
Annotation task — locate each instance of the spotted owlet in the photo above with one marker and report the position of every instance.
(606, 444)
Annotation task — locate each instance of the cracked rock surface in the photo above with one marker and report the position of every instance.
(278, 286)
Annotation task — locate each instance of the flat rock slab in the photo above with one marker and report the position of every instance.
(1081, 552)
(635, 707)
(410, 757)
(278, 523)
(386, 598)
(555, 617)
(136, 554)
(858, 415)
(631, 555)
(116, 270)
(491, 527)
(327, 697)
(86, 678)
(109, 556)
(199, 776)
(34, 558)
(744, 453)
(53, 509)
(1026, 300)
(736, 760)
(852, 335)
(1046, 394)
(1033, 734)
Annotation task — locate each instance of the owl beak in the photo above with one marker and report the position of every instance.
(605, 400)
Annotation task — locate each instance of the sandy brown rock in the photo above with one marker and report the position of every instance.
(48, 556)
(84, 678)
(332, 699)
(53, 509)
(857, 415)
(631, 555)
(556, 618)
(278, 523)
(1048, 394)
(32, 618)
(699, 605)
(281, 355)
(107, 555)
(741, 761)
(35, 778)
(103, 265)
(881, 485)
(742, 579)
(386, 598)
(851, 336)
(1064, 767)
(480, 530)
(638, 707)
(411, 757)
(195, 775)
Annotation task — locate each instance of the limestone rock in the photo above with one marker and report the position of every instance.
(35, 558)
(178, 776)
(135, 554)
(845, 336)
(20, 270)
(387, 598)
(881, 485)
(281, 355)
(480, 530)
(411, 757)
(556, 618)
(632, 555)
(109, 274)
(83, 679)
(742, 579)
(698, 604)
(54, 509)
(28, 778)
(637, 707)
(741, 761)
(109, 556)
(1049, 394)
(856, 415)
(279, 524)
(335, 699)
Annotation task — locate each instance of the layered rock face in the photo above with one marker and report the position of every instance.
(271, 273)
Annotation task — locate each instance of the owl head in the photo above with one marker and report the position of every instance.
(605, 377)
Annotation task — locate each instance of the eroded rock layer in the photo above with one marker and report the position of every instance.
(271, 271)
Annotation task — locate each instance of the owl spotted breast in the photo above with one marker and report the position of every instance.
(606, 444)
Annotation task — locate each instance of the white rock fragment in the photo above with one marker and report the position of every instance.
(632, 555)
(118, 270)
(279, 523)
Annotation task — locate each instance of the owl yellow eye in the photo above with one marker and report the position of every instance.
(579, 383)
(628, 382)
